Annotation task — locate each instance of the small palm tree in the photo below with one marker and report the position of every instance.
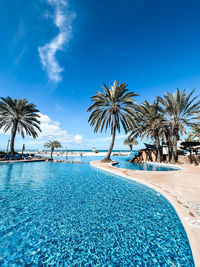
(181, 110)
(193, 135)
(190, 138)
(130, 141)
(19, 116)
(52, 145)
(111, 109)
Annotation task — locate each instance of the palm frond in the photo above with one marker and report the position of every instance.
(114, 101)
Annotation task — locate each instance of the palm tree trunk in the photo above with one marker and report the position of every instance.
(174, 149)
(131, 148)
(174, 145)
(112, 141)
(52, 149)
(158, 146)
(12, 142)
(169, 150)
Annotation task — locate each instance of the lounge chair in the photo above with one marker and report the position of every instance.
(25, 156)
(16, 156)
(8, 157)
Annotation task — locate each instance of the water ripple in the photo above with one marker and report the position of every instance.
(68, 214)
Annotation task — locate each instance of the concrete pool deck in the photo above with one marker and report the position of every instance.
(22, 160)
(181, 188)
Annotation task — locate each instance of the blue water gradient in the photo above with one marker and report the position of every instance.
(147, 166)
(123, 162)
(66, 214)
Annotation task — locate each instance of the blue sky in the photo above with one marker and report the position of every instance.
(56, 53)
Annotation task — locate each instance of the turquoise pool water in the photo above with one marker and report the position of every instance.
(123, 163)
(75, 215)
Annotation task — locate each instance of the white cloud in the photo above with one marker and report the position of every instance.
(52, 130)
(62, 18)
(78, 139)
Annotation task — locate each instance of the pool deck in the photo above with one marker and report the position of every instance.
(22, 160)
(181, 188)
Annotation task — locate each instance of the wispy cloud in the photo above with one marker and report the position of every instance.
(58, 107)
(19, 57)
(19, 34)
(62, 19)
(18, 44)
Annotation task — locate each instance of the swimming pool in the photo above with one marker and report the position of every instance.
(147, 166)
(74, 214)
(123, 162)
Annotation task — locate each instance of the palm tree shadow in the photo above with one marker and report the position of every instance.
(8, 176)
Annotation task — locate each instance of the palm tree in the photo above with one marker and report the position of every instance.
(150, 124)
(19, 116)
(130, 141)
(52, 145)
(166, 136)
(111, 109)
(181, 110)
(196, 131)
(194, 135)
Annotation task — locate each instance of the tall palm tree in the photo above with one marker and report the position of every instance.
(181, 110)
(130, 141)
(19, 116)
(52, 145)
(111, 109)
(150, 123)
